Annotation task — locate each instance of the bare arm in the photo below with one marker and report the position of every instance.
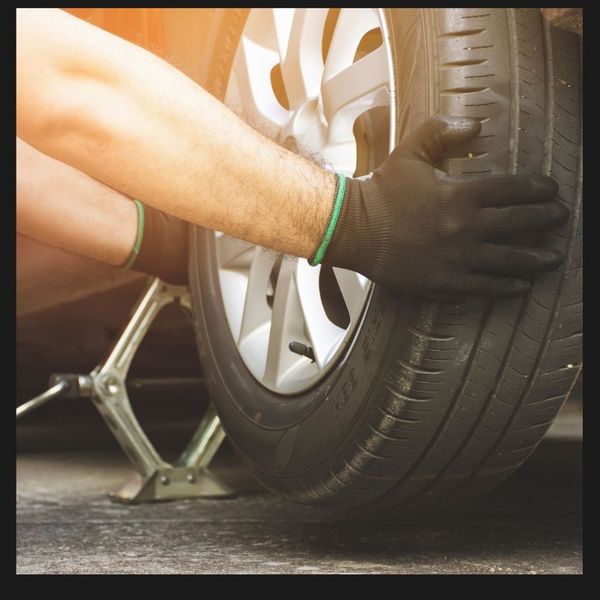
(130, 120)
(65, 208)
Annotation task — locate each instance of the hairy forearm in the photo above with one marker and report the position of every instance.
(129, 119)
(65, 208)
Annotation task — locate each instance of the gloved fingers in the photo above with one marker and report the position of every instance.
(497, 222)
(489, 285)
(515, 261)
(438, 136)
(504, 190)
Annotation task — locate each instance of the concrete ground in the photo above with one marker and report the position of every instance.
(531, 524)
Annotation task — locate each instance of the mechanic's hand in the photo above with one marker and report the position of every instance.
(415, 229)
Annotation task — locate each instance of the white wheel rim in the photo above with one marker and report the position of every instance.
(271, 300)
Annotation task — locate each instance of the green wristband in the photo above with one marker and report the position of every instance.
(139, 238)
(333, 219)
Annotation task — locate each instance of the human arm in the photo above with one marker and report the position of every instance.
(129, 119)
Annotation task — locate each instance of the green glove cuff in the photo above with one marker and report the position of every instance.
(333, 219)
(139, 237)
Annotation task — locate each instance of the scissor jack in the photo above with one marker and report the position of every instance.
(188, 476)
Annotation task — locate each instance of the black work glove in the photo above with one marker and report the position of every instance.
(413, 228)
(164, 248)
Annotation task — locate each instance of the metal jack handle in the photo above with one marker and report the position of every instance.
(189, 477)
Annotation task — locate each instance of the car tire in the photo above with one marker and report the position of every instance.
(431, 402)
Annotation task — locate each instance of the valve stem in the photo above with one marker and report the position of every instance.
(302, 350)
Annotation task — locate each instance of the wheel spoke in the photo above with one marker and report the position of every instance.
(302, 68)
(233, 253)
(256, 100)
(354, 288)
(324, 336)
(351, 26)
(257, 313)
(286, 325)
(282, 19)
(354, 90)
